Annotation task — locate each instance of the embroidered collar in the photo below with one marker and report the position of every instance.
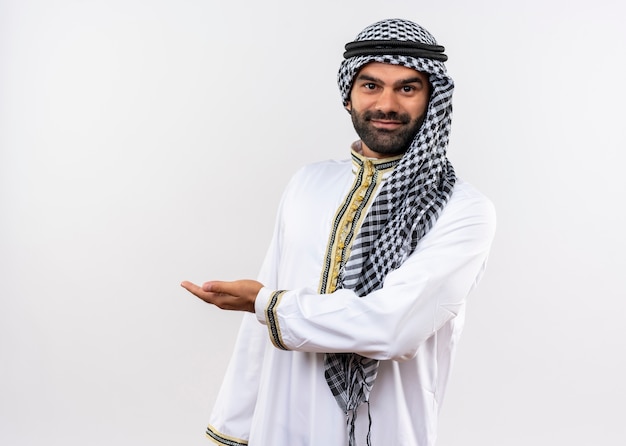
(383, 165)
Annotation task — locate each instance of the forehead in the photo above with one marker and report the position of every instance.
(390, 73)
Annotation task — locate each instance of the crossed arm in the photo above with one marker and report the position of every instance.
(239, 295)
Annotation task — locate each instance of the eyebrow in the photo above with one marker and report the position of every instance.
(410, 80)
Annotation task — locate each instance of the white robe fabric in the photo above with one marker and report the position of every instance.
(273, 397)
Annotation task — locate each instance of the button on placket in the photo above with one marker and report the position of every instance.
(367, 180)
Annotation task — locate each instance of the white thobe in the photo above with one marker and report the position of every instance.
(275, 397)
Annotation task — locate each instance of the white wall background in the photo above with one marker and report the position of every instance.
(147, 142)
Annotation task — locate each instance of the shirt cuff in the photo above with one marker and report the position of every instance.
(265, 307)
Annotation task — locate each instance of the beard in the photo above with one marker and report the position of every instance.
(383, 141)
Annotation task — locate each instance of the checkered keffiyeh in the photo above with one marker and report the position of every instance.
(408, 204)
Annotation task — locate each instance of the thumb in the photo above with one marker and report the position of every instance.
(214, 286)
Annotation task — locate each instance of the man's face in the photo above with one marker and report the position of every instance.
(388, 104)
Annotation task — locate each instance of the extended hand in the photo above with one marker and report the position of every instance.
(238, 295)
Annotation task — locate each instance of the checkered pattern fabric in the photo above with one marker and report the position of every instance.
(406, 208)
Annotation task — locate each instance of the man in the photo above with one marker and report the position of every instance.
(352, 326)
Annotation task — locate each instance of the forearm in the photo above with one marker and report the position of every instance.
(388, 324)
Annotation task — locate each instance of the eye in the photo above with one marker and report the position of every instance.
(369, 86)
(408, 88)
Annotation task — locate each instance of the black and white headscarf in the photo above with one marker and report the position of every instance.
(409, 202)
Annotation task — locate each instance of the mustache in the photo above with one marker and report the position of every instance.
(391, 116)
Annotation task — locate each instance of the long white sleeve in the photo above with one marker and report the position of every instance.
(416, 300)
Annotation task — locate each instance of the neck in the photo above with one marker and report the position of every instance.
(361, 148)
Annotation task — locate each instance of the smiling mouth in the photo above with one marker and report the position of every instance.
(385, 125)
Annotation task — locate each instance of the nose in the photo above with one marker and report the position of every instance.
(387, 101)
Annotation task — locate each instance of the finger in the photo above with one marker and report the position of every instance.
(193, 289)
(187, 285)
